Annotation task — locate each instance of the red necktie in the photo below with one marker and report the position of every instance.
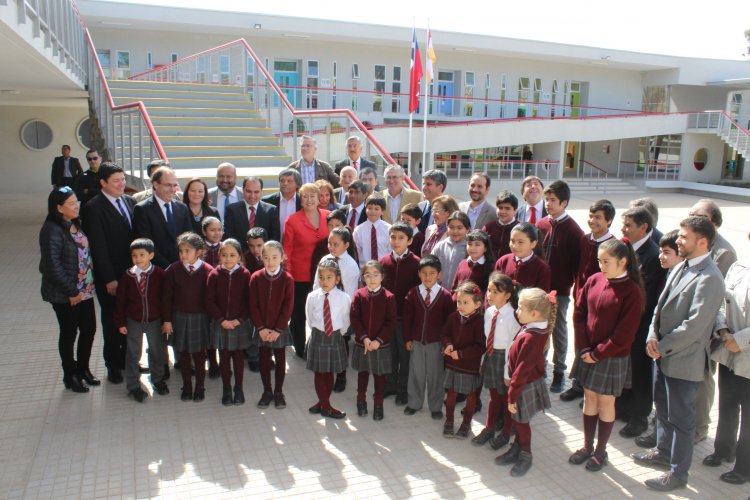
(353, 219)
(373, 243)
(356, 167)
(251, 220)
(532, 219)
(328, 324)
(491, 336)
(142, 284)
(427, 298)
(191, 268)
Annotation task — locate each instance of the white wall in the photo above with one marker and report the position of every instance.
(692, 98)
(715, 147)
(27, 171)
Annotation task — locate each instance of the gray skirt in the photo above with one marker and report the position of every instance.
(326, 354)
(462, 383)
(231, 340)
(376, 362)
(493, 367)
(191, 332)
(284, 340)
(533, 399)
(608, 377)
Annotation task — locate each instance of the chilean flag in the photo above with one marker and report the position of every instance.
(415, 74)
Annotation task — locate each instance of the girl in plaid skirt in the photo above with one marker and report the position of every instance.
(213, 232)
(606, 319)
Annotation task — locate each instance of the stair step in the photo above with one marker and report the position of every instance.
(200, 87)
(192, 130)
(204, 112)
(186, 103)
(179, 94)
(216, 140)
(223, 150)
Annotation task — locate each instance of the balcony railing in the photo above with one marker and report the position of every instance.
(496, 167)
(649, 170)
(723, 125)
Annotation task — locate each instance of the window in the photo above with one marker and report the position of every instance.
(104, 57)
(84, 132)
(36, 135)
(396, 90)
(123, 64)
(555, 97)
(523, 96)
(379, 87)
(735, 106)
(224, 69)
(660, 153)
(355, 71)
(250, 78)
(173, 57)
(469, 94)
(537, 96)
(503, 92)
(487, 86)
(312, 84)
(200, 69)
(149, 60)
(655, 99)
(355, 80)
(333, 86)
(573, 97)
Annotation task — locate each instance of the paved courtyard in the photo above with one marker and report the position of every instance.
(57, 444)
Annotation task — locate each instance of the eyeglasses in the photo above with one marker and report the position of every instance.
(369, 276)
(92, 158)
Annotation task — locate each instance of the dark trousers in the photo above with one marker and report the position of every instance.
(115, 345)
(734, 400)
(675, 420)
(298, 320)
(75, 321)
(636, 403)
(398, 380)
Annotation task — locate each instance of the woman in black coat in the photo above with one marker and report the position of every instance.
(196, 198)
(68, 284)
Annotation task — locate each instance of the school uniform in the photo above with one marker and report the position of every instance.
(211, 254)
(478, 272)
(466, 335)
(349, 273)
(363, 240)
(252, 263)
(227, 299)
(605, 322)
(588, 263)
(500, 236)
(271, 304)
(450, 253)
(494, 370)
(185, 306)
(417, 242)
(421, 326)
(527, 389)
(529, 272)
(327, 353)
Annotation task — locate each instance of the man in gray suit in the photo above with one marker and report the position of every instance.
(226, 191)
(479, 211)
(679, 343)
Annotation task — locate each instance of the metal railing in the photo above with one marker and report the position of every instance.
(723, 125)
(649, 170)
(499, 168)
(593, 173)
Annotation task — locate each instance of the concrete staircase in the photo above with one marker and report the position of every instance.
(200, 126)
(606, 187)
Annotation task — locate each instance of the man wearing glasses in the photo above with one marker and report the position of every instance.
(310, 168)
(86, 185)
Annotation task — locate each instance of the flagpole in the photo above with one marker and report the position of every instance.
(408, 156)
(426, 103)
(411, 113)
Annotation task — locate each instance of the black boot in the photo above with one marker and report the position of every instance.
(340, 384)
(74, 383)
(239, 395)
(226, 397)
(88, 377)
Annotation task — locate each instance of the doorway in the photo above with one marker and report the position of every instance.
(286, 76)
(445, 93)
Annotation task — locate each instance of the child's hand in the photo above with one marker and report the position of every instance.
(74, 301)
(454, 355)
(227, 325)
(448, 350)
(366, 344)
(123, 330)
(408, 345)
(374, 345)
(506, 381)
(512, 408)
(272, 335)
(236, 323)
(586, 358)
(166, 328)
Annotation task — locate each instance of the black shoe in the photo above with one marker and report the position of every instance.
(579, 456)
(161, 388)
(333, 413)
(361, 408)
(314, 409)
(448, 430)
(114, 376)
(557, 383)
(483, 437)
(499, 441)
(596, 462)
(199, 394)
(265, 400)
(401, 399)
(522, 465)
(138, 394)
(412, 411)
(279, 401)
(652, 458)
(732, 477)
(715, 460)
(574, 392)
(436, 415)
(462, 432)
(377, 413)
(666, 482)
(510, 456)
(187, 394)
(500, 422)
(176, 365)
(143, 369)
(646, 441)
(75, 384)
(633, 430)
(253, 366)
(226, 396)
(166, 371)
(239, 395)
(213, 372)
(89, 378)
(340, 384)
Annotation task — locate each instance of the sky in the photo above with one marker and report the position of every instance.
(683, 28)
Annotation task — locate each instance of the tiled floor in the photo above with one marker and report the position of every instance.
(56, 444)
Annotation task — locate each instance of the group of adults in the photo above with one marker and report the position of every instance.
(84, 254)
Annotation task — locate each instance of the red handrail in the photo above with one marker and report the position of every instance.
(592, 165)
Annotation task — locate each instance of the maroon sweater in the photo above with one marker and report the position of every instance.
(271, 300)
(251, 262)
(421, 323)
(588, 264)
(607, 316)
(417, 242)
(183, 291)
(500, 236)
(400, 277)
(211, 254)
(373, 315)
(532, 273)
(525, 360)
(131, 304)
(561, 250)
(227, 294)
(478, 273)
(466, 335)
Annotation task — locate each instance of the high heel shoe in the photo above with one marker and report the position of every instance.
(89, 377)
(75, 384)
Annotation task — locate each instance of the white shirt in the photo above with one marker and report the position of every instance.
(394, 204)
(113, 201)
(286, 209)
(606, 236)
(638, 244)
(247, 209)
(349, 274)
(433, 291)
(480, 261)
(525, 259)
(539, 325)
(138, 271)
(221, 196)
(362, 235)
(506, 329)
(539, 207)
(697, 260)
(196, 265)
(358, 211)
(163, 208)
(339, 303)
(357, 164)
(473, 213)
(273, 273)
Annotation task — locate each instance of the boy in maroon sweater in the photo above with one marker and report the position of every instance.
(400, 269)
(138, 311)
(561, 244)
(426, 310)
(412, 215)
(499, 231)
(256, 237)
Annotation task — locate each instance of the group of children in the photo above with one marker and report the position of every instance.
(477, 311)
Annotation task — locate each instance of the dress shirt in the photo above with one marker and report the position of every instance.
(163, 209)
(138, 271)
(539, 207)
(473, 213)
(221, 196)
(538, 325)
(339, 302)
(286, 208)
(525, 259)
(638, 244)
(362, 240)
(606, 236)
(480, 261)
(506, 328)
(307, 171)
(394, 204)
(196, 265)
(113, 201)
(349, 273)
(66, 172)
(247, 210)
(358, 211)
(433, 291)
(274, 272)
(431, 220)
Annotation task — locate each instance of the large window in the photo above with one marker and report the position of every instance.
(379, 87)
(523, 95)
(312, 84)
(469, 94)
(396, 90)
(537, 96)
(655, 99)
(503, 93)
(123, 64)
(224, 69)
(660, 152)
(333, 86)
(487, 87)
(355, 82)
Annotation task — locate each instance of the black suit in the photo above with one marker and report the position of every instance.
(362, 215)
(426, 207)
(109, 236)
(363, 163)
(149, 222)
(237, 221)
(58, 171)
(656, 236)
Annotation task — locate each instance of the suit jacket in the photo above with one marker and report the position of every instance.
(407, 196)
(723, 253)
(734, 314)
(275, 200)
(363, 163)
(213, 194)
(322, 171)
(109, 237)
(486, 215)
(653, 281)
(149, 192)
(362, 215)
(521, 213)
(237, 224)
(149, 222)
(337, 194)
(684, 319)
(656, 236)
(58, 170)
(426, 214)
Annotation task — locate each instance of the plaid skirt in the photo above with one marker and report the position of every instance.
(462, 383)
(533, 399)
(231, 340)
(284, 340)
(608, 377)
(492, 371)
(326, 354)
(376, 362)
(191, 332)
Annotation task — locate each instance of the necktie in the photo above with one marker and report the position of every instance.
(491, 336)
(427, 298)
(471, 264)
(373, 243)
(122, 211)
(355, 166)
(170, 221)
(532, 219)
(142, 284)
(226, 202)
(328, 324)
(353, 219)
(683, 272)
(251, 220)
(191, 268)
